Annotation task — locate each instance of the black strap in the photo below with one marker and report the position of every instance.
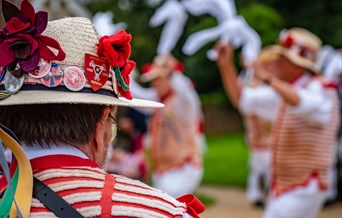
(53, 201)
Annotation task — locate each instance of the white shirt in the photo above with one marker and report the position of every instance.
(314, 103)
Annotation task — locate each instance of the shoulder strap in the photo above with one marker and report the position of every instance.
(53, 201)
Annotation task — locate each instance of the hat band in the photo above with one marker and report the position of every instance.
(39, 87)
(56, 77)
(289, 42)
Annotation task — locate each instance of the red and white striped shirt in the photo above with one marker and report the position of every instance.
(303, 135)
(95, 193)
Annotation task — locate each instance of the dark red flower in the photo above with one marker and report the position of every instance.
(15, 25)
(115, 48)
(125, 72)
(21, 40)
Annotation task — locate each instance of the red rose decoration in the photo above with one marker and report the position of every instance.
(21, 40)
(288, 41)
(115, 48)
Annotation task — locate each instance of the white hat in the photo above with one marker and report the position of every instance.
(81, 67)
(300, 46)
(162, 66)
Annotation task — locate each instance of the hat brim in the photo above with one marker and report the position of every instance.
(154, 73)
(296, 59)
(54, 97)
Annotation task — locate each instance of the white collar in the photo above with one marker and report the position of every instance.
(34, 152)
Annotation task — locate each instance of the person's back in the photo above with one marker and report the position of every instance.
(94, 193)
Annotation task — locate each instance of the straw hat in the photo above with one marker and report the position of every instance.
(71, 63)
(162, 66)
(300, 46)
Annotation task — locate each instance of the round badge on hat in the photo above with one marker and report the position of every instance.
(2, 73)
(54, 77)
(12, 83)
(43, 69)
(74, 78)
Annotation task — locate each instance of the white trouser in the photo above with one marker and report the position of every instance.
(302, 202)
(178, 181)
(259, 167)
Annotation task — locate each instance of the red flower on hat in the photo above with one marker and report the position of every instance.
(123, 79)
(21, 40)
(115, 48)
(287, 41)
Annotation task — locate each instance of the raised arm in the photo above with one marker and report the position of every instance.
(228, 73)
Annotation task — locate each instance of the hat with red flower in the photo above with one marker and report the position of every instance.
(62, 61)
(300, 46)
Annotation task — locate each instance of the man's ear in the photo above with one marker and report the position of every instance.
(100, 130)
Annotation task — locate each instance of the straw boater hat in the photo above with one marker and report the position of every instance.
(64, 61)
(162, 66)
(300, 46)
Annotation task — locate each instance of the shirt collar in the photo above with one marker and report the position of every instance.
(35, 152)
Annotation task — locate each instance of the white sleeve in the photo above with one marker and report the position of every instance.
(189, 102)
(142, 93)
(333, 71)
(315, 105)
(262, 101)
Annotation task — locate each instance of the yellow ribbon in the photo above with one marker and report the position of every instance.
(23, 194)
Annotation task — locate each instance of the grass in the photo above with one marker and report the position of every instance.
(205, 199)
(225, 162)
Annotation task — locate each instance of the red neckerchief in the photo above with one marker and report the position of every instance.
(296, 78)
(167, 96)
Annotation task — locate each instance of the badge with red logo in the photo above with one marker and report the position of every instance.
(96, 70)
(74, 78)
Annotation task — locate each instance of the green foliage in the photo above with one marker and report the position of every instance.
(324, 18)
(225, 163)
(214, 98)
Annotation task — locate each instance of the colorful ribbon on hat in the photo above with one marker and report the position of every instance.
(8, 198)
(22, 193)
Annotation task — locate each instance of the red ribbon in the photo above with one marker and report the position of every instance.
(193, 205)
(45, 52)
